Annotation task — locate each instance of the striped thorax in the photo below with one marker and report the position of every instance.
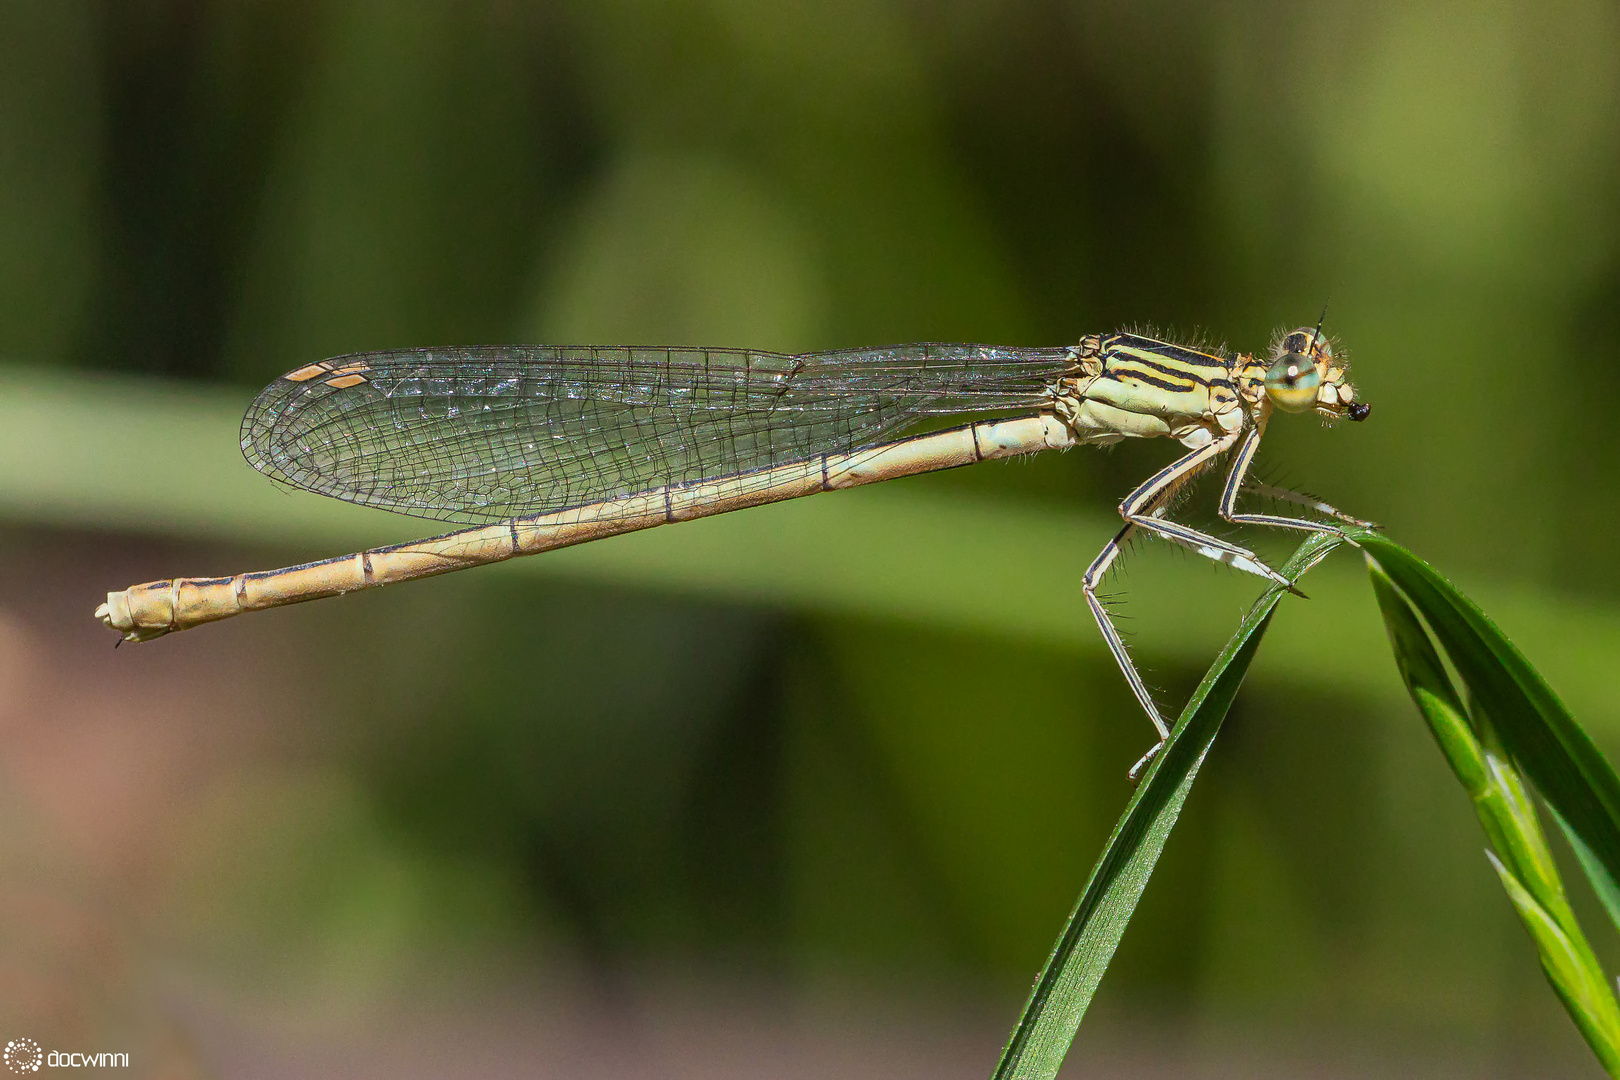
(1130, 386)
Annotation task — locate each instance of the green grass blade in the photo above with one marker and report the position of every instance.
(1602, 883)
(1506, 809)
(1426, 679)
(1082, 953)
(1534, 726)
(1570, 969)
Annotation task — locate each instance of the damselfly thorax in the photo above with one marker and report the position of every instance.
(1130, 386)
(544, 446)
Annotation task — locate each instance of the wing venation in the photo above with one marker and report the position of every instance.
(484, 435)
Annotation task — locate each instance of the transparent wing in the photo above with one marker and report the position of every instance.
(489, 434)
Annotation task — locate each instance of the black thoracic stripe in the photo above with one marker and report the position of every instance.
(1163, 369)
(1177, 352)
(1171, 370)
(1162, 384)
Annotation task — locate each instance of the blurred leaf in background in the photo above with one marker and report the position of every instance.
(827, 762)
(49, 112)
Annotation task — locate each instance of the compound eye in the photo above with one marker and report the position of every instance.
(1308, 342)
(1292, 382)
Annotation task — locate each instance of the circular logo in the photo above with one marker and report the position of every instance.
(24, 1055)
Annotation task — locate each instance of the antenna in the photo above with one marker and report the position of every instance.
(1317, 333)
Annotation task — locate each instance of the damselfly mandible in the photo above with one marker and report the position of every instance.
(544, 447)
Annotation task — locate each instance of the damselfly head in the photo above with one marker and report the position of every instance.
(1304, 375)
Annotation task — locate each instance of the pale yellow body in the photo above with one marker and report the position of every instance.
(1119, 386)
(143, 612)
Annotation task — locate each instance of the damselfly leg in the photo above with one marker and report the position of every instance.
(1142, 509)
(1298, 498)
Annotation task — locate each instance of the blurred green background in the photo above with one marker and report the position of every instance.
(863, 747)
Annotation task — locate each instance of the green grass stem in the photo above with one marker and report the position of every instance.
(1504, 695)
(1064, 990)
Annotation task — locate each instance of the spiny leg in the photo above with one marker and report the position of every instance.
(1154, 498)
(1272, 491)
(1116, 644)
(1088, 583)
(1144, 507)
(1235, 485)
(1148, 502)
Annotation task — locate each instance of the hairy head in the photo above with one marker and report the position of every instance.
(1304, 375)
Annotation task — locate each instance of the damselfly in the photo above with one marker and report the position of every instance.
(543, 447)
